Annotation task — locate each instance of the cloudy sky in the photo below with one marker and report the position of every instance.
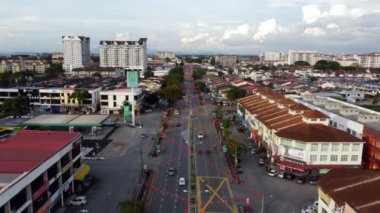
(218, 26)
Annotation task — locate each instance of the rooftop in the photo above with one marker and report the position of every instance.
(312, 133)
(66, 120)
(359, 188)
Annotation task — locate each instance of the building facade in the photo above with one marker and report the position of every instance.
(111, 101)
(163, 55)
(226, 60)
(130, 55)
(301, 55)
(76, 52)
(272, 56)
(38, 170)
(355, 120)
(370, 60)
(290, 132)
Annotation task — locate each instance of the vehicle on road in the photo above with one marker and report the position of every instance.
(301, 180)
(78, 201)
(250, 146)
(281, 174)
(261, 161)
(182, 181)
(272, 172)
(171, 171)
(176, 112)
(313, 180)
(253, 151)
(289, 176)
(148, 110)
(143, 135)
(83, 211)
(200, 135)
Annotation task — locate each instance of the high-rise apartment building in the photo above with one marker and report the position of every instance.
(272, 56)
(301, 55)
(226, 60)
(130, 55)
(76, 52)
(163, 55)
(370, 60)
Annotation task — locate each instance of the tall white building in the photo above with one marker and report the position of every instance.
(163, 55)
(370, 60)
(272, 56)
(76, 52)
(301, 55)
(130, 55)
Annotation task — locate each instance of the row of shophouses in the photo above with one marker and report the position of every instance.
(310, 135)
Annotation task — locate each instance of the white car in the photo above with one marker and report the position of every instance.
(77, 201)
(200, 135)
(273, 172)
(182, 181)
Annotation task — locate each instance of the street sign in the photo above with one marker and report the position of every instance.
(132, 79)
(127, 112)
(224, 148)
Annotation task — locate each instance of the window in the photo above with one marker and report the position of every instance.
(334, 158)
(348, 130)
(335, 124)
(354, 158)
(313, 158)
(314, 147)
(114, 104)
(325, 147)
(345, 147)
(344, 158)
(355, 147)
(323, 158)
(335, 147)
(114, 97)
(353, 133)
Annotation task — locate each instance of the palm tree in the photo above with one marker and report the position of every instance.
(79, 95)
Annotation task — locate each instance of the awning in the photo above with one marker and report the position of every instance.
(81, 173)
(290, 165)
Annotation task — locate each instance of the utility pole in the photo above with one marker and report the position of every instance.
(262, 203)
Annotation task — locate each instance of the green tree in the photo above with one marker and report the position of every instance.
(301, 64)
(54, 70)
(201, 87)
(79, 95)
(376, 98)
(132, 206)
(327, 65)
(148, 74)
(198, 73)
(97, 74)
(212, 61)
(18, 106)
(235, 148)
(171, 93)
(226, 123)
(152, 99)
(167, 60)
(219, 113)
(235, 93)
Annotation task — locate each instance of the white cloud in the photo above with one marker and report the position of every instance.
(29, 18)
(311, 13)
(265, 28)
(241, 30)
(332, 26)
(314, 31)
(122, 36)
(198, 37)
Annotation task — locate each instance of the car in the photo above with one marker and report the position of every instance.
(176, 112)
(272, 172)
(281, 174)
(306, 211)
(253, 151)
(182, 181)
(171, 171)
(301, 180)
(143, 135)
(261, 161)
(289, 176)
(313, 208)
(250, 146)
(200, 135)
(148, 110)
(313, 180)
(78, 201)
(83, 211)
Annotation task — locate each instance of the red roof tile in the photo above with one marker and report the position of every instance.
(314, 114)
(312, 133)
(26, 150)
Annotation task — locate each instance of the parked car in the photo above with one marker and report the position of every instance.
(261, 161)
(313, 180)
(83, 211)
(281, 174)
(301, 180)
(250, 146)
(200, 135)
(289, 176)
(182, 181)
(143, 135)
(253, 151)
(272, 172)
(171, 171)
(78, 200)
(176, 112)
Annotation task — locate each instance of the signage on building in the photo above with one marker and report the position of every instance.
(291, 152)
(127, 112)
(132, 79)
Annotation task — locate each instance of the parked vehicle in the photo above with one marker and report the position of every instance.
(253, 151)
(313, 180)
(176, 112)
(272, 172)
(301, 180)
(281, 174)
(83, 211)
(143, 135)
(171, 171)
(261, 161)
(289, 176)
(182, 181)
(200, 135)
(78, 200)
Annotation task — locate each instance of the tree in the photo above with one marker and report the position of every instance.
(54, 70)
(301, 64)
(212, 61)
(97, 74)
(132, 206)
(148, 74)
(376, 98)
(201, 87)
(235, 93)
(171, 93)
(167, 60)
(18, 106)
(79, 95)
(152, 99)
(326, 65)
(226, 123)
(235, 148)
(198, 73)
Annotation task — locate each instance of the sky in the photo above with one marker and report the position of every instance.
(195, 26)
